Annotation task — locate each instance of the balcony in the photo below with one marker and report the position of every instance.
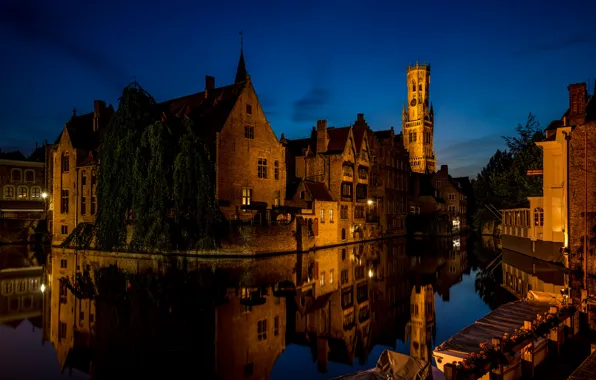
(516, 222)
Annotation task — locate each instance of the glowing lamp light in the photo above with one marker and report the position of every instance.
(43, 288)
(44, 195)
(370, 202)
(370, 273)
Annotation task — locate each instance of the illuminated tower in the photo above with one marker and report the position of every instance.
(421, 328)
(418, 120)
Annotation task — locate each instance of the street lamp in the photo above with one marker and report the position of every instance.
(370, 202)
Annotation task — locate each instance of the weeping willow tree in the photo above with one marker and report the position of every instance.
(155, 176)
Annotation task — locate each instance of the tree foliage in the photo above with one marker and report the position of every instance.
(155, 182)
(503, 182)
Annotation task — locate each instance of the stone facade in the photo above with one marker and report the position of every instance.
(581, 117)
(451, 192)
(22, 184)
(418, 120)
(335, 169)
(389, 179)
(72, 165)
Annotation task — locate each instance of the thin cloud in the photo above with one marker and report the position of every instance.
(308, 108)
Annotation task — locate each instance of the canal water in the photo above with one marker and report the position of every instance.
(314, 315)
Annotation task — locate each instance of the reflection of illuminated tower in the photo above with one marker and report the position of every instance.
(418, 120)
(422, 322)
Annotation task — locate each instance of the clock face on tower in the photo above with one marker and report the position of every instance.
(413, 102)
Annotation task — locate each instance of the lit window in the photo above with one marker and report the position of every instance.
(322, 216)
(22, 192)
(262, 168)
(35, 192)
(331, 215)
(331, 272)
(246, 196)
(322, 280)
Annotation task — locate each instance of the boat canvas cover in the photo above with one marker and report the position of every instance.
(505, 319)
(395, 366)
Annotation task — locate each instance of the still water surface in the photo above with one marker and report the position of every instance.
(313, 315)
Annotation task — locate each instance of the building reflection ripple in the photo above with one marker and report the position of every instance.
(133, 315)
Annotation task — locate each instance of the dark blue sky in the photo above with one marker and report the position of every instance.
(493, 62)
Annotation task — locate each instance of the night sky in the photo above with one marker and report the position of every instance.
(493, 62)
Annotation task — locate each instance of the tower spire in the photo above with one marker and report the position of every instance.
(241, 73)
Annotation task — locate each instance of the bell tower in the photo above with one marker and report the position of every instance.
(418, 120)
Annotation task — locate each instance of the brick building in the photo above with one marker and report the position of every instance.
(250, 173)
(22, 183)
(452, 193)
(331, 158)
(389, 177)
(72, 166)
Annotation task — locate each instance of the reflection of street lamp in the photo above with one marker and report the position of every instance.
(44, 195)
(43, 288)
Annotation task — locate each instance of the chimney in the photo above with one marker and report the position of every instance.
(209, 82)
(577, 103)
(322, 138)
(444, 169)
(360, 117)
(98, 107)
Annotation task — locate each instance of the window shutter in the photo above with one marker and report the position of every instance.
(316, 227)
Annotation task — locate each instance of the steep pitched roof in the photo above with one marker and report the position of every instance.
(296, 147)
(16, 156)
(338, 137)
(358, 133)
(209, 113)
(383, 135)
(318, 191)
(241, 73)
(39, 154)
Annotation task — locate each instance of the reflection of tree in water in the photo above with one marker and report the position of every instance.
(488, 286)
(151, 324)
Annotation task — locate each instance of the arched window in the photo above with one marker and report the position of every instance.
(420, 87)
(413, 86)
(35, 192)
(22, 192)
(16, 175)
(343, 234)
(65, 162)
(8, 192)
(29, 175)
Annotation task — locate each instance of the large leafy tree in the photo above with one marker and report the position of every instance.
(503, 182)
(156, 181)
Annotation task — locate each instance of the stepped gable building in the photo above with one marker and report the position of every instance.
(418, 120)
(389, 177)
(249, 159)
(331, 159)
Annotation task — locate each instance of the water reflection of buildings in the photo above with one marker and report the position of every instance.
(237, 318)
(523, 273)
(233, 327)
(20, 286)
